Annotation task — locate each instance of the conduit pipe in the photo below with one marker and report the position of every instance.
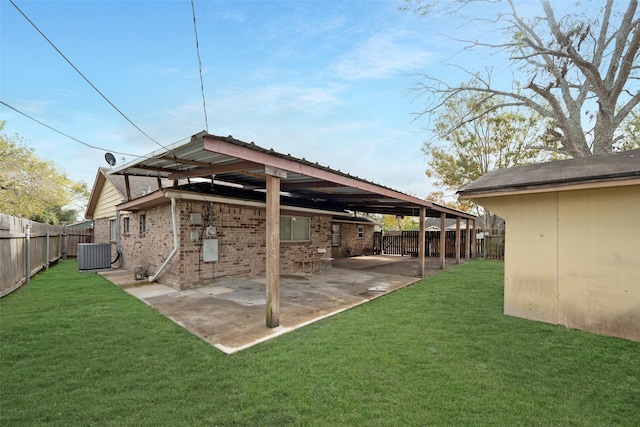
(174, 225)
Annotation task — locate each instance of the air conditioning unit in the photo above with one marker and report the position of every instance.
(94, 256)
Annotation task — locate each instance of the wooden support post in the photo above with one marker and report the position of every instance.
(127, 187)
(273, 251)
(442, 239)
(467, 240)
(458, 240)
(473, 238)
(273, 176)
(422, 241)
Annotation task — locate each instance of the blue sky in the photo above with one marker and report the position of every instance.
(323, 80)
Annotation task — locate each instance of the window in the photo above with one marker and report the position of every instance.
(360, 232)
(126, 226)
(143, 223)
(112, 229)
(294, 228)
(335, 234)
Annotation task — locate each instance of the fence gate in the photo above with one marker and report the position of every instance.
(407, 242)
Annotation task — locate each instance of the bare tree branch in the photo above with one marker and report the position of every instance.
(582, 72)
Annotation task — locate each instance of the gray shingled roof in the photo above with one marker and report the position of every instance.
(604, 167)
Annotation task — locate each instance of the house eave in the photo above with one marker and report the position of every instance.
(162, 197)
(549, 188)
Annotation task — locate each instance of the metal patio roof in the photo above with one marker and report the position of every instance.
(236, 162)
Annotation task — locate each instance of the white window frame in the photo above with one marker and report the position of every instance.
(360, 232)
(143, 224)
(112, 229)
(335, 234)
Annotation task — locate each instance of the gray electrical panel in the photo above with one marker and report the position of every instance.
(210, 250)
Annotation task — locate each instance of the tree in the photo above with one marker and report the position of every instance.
(463, 151)
(499, 138)
(404, 223)
(629, 133)
(438, 197)
(581, 71)
(31, 187)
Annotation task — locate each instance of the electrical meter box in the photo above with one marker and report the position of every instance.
(195, 218)
(210, 250)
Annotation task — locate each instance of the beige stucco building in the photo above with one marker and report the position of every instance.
(572, 240)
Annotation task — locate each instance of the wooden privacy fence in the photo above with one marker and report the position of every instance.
(27, 246)
(406, 243)
(491, 246)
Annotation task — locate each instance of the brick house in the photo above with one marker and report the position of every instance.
(217, 207)
(239, 222)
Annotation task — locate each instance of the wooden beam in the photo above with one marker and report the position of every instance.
(149, 168)
(185, 161)
(215, 170)
(458, 240)
(467, 241)
(422, 241)
(305, 185)
(159, 183)
(443, 241)
(473, 238)
(273, 251)
(127, 187)
(246, 153)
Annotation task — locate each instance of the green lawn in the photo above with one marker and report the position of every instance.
(77, 350)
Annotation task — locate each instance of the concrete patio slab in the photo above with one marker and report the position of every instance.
(230, 313)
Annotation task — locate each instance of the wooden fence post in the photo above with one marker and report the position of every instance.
(46, 261)
(443, 243)
(27, 240)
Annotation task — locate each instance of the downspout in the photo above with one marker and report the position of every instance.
(174, 224)
(118, 243)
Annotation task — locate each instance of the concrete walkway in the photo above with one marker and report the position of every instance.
(230, 313)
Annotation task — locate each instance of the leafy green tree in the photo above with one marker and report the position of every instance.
(404, 223)
(467, 146)
(465, 149)
(31, 187)
(439, 198)
(629, 138)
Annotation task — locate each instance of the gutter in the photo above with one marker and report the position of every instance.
(174, 224)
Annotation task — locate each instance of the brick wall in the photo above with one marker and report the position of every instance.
(148, 249)
(241, 243)
(101, 235)
(351, 244)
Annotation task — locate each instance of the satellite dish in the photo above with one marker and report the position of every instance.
(110, 159)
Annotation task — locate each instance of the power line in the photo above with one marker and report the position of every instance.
(64, 134)
(195, 30)
(83, 76)
(79, 141)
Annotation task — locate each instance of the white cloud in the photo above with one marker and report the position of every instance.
(381, 56)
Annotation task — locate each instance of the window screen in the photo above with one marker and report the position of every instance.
(294, 228)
